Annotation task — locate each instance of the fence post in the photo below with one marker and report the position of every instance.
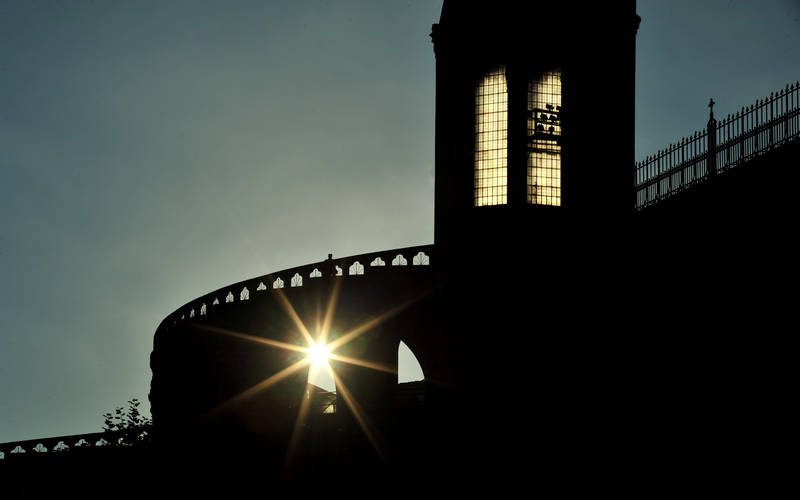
(725, 140)
(741, 136)
(771, 118)
(785, 114)
(712, 141)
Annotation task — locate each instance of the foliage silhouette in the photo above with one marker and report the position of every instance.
(126, 427)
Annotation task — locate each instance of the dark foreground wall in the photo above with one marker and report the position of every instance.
(643, 357)
(648, 353)
(209, 368)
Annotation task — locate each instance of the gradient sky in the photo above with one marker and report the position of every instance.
(152, 151)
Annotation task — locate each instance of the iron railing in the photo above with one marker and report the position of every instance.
(753, 131)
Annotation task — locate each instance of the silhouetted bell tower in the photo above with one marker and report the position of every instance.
(534, 118)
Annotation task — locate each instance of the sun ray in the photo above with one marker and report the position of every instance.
(298, 428)
(303, 414)
(252, 338)
(287, 306)
(311, 359)
(361, 418)
(264, 384)
(326, 324)
(360, 362)
(356, 332)
(372, 323)
(318, 320)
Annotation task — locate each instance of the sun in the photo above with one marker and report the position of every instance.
(318, 353)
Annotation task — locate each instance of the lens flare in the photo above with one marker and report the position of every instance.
(317, 358)
(318, 353)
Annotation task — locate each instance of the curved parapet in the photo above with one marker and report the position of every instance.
(234, 359)
(394, 261)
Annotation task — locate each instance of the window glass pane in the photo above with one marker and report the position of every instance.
(491, 139)
(544, 136)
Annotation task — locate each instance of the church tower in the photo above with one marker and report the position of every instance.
(534, 186)
(534, 119)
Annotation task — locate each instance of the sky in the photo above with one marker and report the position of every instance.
(153, 151)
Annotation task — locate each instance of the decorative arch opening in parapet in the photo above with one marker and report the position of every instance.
(408, 367)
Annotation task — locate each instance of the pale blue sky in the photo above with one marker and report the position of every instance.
(152, 151)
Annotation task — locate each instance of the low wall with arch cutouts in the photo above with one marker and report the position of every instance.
(223, 344)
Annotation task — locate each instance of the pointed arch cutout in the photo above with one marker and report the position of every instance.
(408, 367)
(356, 268)
(421, 259)
(297, 280)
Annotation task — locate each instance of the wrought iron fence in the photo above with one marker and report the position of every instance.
(750, 132)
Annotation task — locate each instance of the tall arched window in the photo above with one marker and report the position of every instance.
(491, 139)
(544, 139)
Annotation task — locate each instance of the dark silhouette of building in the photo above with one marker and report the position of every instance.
(576, 317)
(581, 320)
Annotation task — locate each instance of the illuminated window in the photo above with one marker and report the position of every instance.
(491, 139)
(544, 136)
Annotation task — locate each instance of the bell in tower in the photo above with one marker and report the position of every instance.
(534, 119)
